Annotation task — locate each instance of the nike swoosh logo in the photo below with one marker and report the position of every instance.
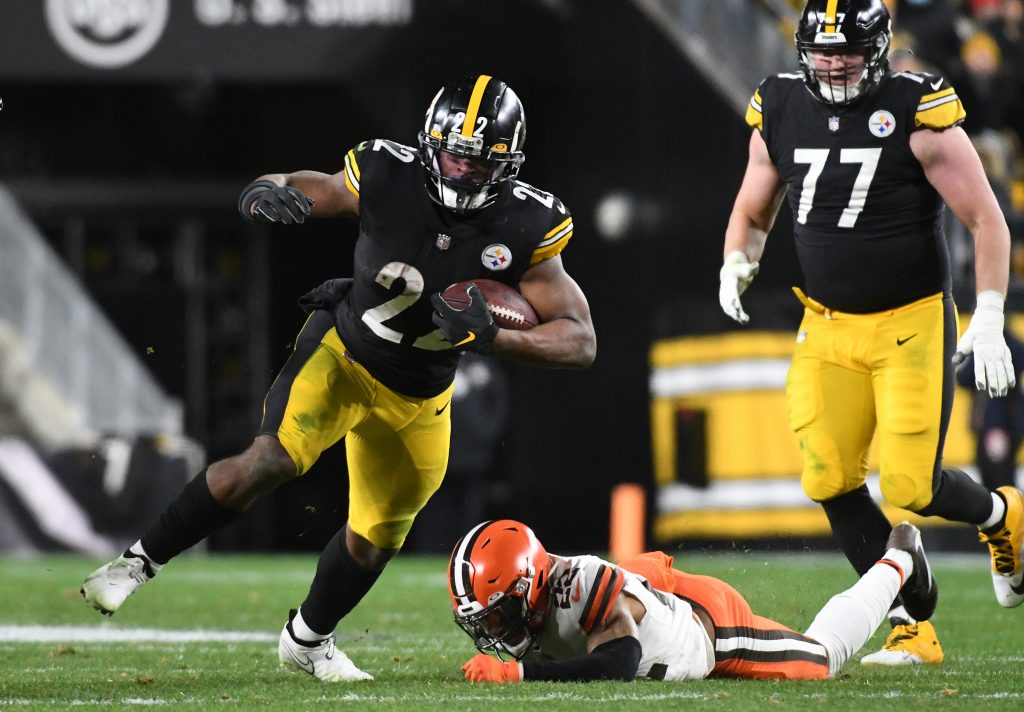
(466, 340)
(438, 411)
(306, 664)
(936, 84)
(900, 342)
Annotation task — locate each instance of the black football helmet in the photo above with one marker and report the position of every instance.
(481, 118)
(844, 26)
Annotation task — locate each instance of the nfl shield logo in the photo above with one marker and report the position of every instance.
(442, 242)
(833, 123)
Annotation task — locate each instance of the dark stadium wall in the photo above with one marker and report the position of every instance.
(611, 106)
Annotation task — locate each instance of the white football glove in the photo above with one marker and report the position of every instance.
(736, 275)
(993, 367)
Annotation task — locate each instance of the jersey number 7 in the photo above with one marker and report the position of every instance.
(816, 158)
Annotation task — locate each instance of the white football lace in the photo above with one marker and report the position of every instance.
(511, 314)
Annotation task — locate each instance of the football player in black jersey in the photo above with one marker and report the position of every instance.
(375, 360)
(868, 157)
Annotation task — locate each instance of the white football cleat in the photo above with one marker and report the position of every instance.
(322, 660)
(110, 585)
(1007, 549)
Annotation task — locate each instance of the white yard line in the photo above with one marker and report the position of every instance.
(95, 634)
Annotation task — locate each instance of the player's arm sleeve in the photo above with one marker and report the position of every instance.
(755, 109)
(939, 107)
(557, 236)
(355, 159)
(618, 659)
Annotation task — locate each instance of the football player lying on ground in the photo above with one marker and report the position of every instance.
(581, 618)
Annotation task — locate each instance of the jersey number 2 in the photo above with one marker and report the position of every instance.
(816, 158)
(375, 318)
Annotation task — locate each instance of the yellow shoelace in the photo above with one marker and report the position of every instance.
(1002, 549)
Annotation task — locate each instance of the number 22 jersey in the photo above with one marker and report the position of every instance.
(867, 222)
(410, 248)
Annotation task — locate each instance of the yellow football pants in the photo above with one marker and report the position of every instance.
(397, 446)
(885, 374)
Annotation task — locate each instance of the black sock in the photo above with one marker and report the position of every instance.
(958, 498)
(859, 526)
(340, 583)
(186, 521)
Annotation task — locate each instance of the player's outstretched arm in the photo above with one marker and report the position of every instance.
(290, 198)
(565, 337)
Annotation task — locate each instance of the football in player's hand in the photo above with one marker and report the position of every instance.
(508, 308)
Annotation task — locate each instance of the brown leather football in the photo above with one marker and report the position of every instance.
(508, 307)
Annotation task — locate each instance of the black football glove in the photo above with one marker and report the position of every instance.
(469, 329)
(327, 296)
(268, 202)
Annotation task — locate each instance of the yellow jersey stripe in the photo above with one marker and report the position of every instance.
(352, 173)
(755, 115)
(941, 113)
(544, 252)
(552, 231)
(928, 98)
(830, 15)
(350, 157)
(552, 238)
(474, 105)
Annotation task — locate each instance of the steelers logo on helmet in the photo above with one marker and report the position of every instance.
(843, 48)
(471, 142)
(882, 123)
(496, 257)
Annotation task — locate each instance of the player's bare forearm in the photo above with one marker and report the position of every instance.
(992, 255)
(331, 197)
(561, 343)
(565, 337)
(742, 235)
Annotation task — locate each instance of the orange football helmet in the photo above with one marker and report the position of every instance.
(498, 582)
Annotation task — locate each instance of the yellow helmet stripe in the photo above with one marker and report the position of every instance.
(830, 15)
(474, 105)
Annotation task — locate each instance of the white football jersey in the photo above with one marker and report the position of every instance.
(583, 589)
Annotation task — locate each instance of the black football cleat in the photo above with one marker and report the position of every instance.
(920, 592)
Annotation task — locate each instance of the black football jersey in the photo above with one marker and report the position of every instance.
(867, 222)
(410, 248)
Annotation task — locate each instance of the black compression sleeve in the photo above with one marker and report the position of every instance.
(617, 659)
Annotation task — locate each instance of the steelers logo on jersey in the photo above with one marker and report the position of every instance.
(882, 123)
(496, 257)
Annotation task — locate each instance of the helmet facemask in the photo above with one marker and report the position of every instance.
(507, 626)
(469, 191)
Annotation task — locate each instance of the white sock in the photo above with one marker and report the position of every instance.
(303, 632)
(998, 512)
(137, 549)
(898, 616)
(850, 618)
(903, 559)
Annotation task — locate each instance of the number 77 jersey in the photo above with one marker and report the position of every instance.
(867, 222)
(410, 248)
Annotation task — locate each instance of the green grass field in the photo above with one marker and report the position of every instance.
(402, 633)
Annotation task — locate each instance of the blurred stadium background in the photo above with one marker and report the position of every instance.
(141, 320)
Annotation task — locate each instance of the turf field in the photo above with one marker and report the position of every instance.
(57, 653)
